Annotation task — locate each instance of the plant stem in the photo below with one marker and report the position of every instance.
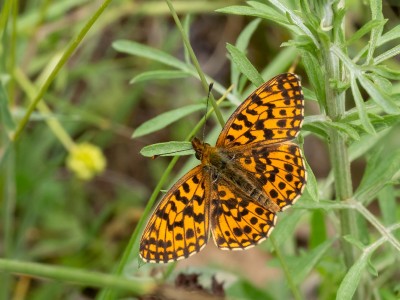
(285, 268)
(77, 276)
(339, 156)
(196, 63)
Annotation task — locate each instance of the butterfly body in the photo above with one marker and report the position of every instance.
(253, 172)
(220, 163)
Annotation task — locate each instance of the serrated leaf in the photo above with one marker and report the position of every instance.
(165, 119)
(159, 75)
(140, 50)
(172, 148)
(244, 65)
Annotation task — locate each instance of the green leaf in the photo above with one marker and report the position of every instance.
(258, 10)
(385, 72)
(350, 282)
(386, 55)
(283, 231)
(379, 96)
(302, 266)
(293, 18)
(380, 170)
(355, 242)
(270, 13)
(315, 73)
(172, 148)
(244, 65)
(323, 127)
(389, 36)
(243, 40)
(243, 289)
(159, 75)
(140, 50)
(241, 44)
(387, 200)
(5, 115)
(240, 10)
(362, 112)
(312, 184)
(165, 119)
(367, 27)
(318, 233)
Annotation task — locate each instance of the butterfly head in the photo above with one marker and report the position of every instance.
(200, 148)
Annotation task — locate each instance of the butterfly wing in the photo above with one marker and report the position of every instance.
(273, 113)
(237, 222)
(179, 225)
(278, 168)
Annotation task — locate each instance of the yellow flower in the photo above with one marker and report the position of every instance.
(86, 160)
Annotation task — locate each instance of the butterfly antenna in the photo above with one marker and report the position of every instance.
(210, 87)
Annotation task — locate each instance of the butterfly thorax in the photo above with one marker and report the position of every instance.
(221, 164)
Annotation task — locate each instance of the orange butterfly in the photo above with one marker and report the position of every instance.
(253, 172)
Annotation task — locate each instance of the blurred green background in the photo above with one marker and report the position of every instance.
(49, 214)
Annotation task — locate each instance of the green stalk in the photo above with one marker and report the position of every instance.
(339, 156)
(136, 286)
(286, 271)
(9, 202)
(196, 63)
(339, 153)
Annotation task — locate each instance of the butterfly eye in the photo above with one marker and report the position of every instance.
(197, 155)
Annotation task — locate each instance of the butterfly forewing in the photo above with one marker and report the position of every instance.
(273, 113)
(179, 225)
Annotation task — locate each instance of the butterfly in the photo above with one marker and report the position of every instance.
(254, 171)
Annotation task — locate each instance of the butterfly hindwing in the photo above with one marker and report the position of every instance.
(273, 113)
(279, 168)
(179, 225)
(237, 221)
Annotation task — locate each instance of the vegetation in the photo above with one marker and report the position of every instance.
(79, 79)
